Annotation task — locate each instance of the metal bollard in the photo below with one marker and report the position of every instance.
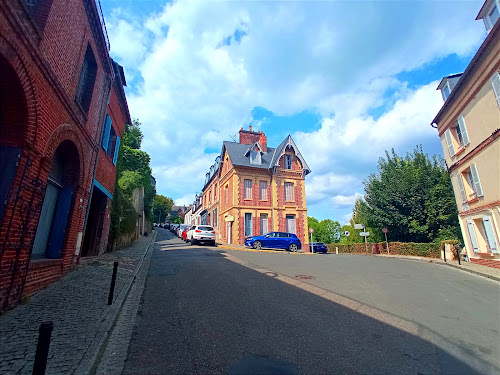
(337, 250)
(42, 348)
(112, 287)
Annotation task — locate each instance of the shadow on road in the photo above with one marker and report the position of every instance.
(204, 314)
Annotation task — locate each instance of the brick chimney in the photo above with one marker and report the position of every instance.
(249, 137)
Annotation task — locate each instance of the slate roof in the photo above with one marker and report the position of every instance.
(237, 152)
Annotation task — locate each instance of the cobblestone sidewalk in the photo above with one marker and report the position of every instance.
(77, 305)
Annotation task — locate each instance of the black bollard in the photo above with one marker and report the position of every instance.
(42, 348)
(112, 287)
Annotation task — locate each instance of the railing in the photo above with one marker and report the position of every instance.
(103, 23)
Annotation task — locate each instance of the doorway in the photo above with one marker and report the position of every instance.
(93, 232)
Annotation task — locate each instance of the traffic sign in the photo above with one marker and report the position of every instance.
(311, 230)
(358, 226)
(364, 234)
(336, 236)
(385, 230)
(346, 233)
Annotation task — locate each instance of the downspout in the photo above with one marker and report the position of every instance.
(103, 113)
(272, 201)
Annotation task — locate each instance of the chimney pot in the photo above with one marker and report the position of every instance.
(250, 127)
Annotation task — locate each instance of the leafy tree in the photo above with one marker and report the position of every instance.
(161, 207)
(325, 230)
(178, 220)
(411, 196)
(133, 135)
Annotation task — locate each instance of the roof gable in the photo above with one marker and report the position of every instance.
(280, 151)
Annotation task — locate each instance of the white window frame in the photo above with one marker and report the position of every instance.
(264, 218)
(487, 20)
(247, 184)
(247, 229)
(473, 236)
(491, 240)
(255, 158)
(288, 161)
(449, 142)
(263, 191)
(495, 83)
(289, 193)
(449, 89)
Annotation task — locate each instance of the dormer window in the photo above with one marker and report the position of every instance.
(255, 157)
(288, 161)
(492, 15)
(445, 91)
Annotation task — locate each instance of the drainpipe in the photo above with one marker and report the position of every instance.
(272, 202)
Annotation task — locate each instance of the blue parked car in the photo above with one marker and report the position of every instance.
(318, 247)
(275, 240)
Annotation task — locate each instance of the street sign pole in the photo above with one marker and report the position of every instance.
(311, 230)
(386, 243)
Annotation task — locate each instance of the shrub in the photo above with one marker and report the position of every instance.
(431, 250)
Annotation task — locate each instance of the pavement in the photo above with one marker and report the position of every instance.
(207, 310)
(77, 305)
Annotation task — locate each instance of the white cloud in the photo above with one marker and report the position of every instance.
(194, 92)
(342, 200)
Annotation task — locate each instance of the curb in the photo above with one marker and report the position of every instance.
(90, 359)
(263, 251)
(492, 277)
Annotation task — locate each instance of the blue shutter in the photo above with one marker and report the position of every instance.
(60, 221)
(117, 148)
(105, 134)
(8, 164)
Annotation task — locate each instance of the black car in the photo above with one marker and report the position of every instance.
(318, 247)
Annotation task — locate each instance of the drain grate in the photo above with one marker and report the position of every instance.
(305, 277)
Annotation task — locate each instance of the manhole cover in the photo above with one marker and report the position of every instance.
(305, 277)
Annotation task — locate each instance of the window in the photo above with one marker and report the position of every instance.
(255, 157)
(263, 224)
(445, 91)
(289, 191)
(227, 194)
(248, 189)
(110, 141)
(472, 236)
(288, 161)
(263, 190)
(490, 234)
(87, 79)
(457, 137)
(290, 223)
(492, 16)
(209, 196)
(215, 193)
(215, 217)
(39, 10)
(248, 224)
(473, 189)
(495, 82)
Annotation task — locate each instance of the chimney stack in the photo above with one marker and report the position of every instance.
(249, 137)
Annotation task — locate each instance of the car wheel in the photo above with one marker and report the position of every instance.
(193, 241)
(212, 243)
(293, 247)
(257, 245)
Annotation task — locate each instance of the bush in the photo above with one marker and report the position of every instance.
(431, 250)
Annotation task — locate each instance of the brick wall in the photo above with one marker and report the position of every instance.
(48, 65)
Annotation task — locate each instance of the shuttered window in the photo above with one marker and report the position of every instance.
(117, 148)
(449, 142)
(490, 234)
(263, 190)
(495, 82)
(105, 133)
(87, 80)
(475, 180)
(288, 161)
(463, 139)
(290, 223)
(461, 188)
(289, 191)
(248, 224)
(472, 235)
(248, 189)
(227, 194)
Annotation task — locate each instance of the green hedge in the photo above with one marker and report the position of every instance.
(431, 250)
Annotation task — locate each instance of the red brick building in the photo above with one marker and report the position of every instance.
(253, 189)
(55, 83)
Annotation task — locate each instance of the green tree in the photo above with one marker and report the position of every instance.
(178, 220)
(133, 135)
(325, 230)
(161, 207)
(411, 196)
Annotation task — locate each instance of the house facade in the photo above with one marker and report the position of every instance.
(55, 82)
(253, 189)
(469, 128)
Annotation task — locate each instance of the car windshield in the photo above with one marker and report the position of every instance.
(210, 229)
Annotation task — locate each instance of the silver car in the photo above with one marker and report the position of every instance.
(201, 234)
(181, 229)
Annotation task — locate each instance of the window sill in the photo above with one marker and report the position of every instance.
(248, 199)
(472, 200)
(460, 150)
(487, 254)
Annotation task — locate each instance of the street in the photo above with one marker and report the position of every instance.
(202, 313)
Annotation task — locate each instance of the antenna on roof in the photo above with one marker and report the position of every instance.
(233, 138)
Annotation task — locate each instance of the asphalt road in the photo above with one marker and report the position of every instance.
(204, 314)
